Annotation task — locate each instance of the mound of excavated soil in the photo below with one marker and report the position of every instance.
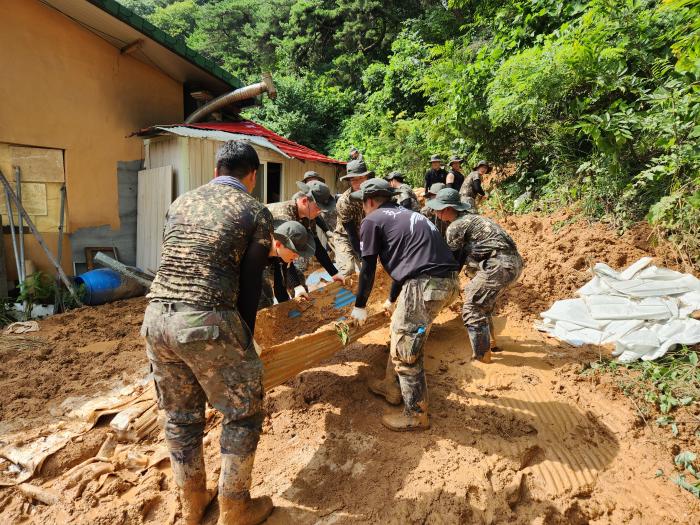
(79, 353)
(558, 252)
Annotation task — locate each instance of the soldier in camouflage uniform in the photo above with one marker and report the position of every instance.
(424, 275)
(486, 247)
(346, 238)
(290, 242)
(403, 193)
(429, 213)
(304, 208)
(471, 188)
(198, 329)
(328, 218)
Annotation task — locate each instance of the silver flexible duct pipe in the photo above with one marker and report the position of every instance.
(266, 86)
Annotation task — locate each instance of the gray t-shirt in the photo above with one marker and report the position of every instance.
(407, 243)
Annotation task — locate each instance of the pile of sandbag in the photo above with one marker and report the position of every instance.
(643, 310)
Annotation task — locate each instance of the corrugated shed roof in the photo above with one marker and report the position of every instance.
(250, 128)
(222, 136)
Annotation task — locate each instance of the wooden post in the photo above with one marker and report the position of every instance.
(40, 240)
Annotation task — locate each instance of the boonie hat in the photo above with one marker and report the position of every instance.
(394, 175)
(295, 237)
(435, 158)
(312, 175)
(483, 163)
(448, 198)
(455, 158)
(435, 188)
(372, 188)
(319, 193)
(357, 168)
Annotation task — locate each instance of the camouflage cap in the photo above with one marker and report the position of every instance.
(357, 168)
(394, 175)
(372, 188)
(455, 158)
(435, 158)
(295, 237)
(435, 188)
(312, 175)
(319, 193)
(448, 198)
(483, 163)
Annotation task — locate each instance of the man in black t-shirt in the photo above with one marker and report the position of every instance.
(424, 275)
(436, 173)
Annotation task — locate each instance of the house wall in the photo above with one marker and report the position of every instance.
(64, 87)
(193, 161)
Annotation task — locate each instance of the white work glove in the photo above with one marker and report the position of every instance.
(300, 293)
(258, 348)
(359, 315)
(338, 278)
(389, 307)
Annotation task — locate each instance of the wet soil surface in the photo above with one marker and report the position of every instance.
(526, 439)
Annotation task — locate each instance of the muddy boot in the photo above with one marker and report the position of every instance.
(480, 339)
(236, 507)
(388, 387)
(191, 478)
(492, 331)
(415, 413)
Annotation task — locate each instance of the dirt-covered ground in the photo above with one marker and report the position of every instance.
(527, 439)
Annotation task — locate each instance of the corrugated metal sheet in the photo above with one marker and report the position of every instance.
(247, 128)
(222, 136)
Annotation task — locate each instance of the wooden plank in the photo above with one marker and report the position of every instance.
(155, 193)
(38, 164)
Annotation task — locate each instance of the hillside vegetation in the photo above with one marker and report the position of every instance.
(594, 104)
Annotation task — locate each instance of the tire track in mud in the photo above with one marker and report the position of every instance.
(575, 450)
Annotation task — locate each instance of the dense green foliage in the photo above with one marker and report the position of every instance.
(591, 102)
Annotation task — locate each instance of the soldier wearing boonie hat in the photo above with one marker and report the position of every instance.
(346, 238)
(424, 275)
(483, 245)
(311, 176)
(429, 213)
(404, 195)
(471, 189)
(436, 173)
(455, 177)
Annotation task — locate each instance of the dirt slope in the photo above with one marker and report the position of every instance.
(523, 440)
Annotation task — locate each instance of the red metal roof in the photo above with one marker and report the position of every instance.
(248, 127)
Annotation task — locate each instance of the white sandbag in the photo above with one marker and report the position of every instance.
(644, 310)
(609, 307)
(573, 311)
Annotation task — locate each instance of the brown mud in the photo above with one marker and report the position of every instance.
(526, 439)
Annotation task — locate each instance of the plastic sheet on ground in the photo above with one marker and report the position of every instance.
(643, 310)
(22, 453)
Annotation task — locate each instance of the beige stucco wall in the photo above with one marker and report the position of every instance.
(64, 87)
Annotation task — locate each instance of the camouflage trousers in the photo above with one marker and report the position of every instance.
(198, 356)
(346, 261)
(493, 276)
(419, 302)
